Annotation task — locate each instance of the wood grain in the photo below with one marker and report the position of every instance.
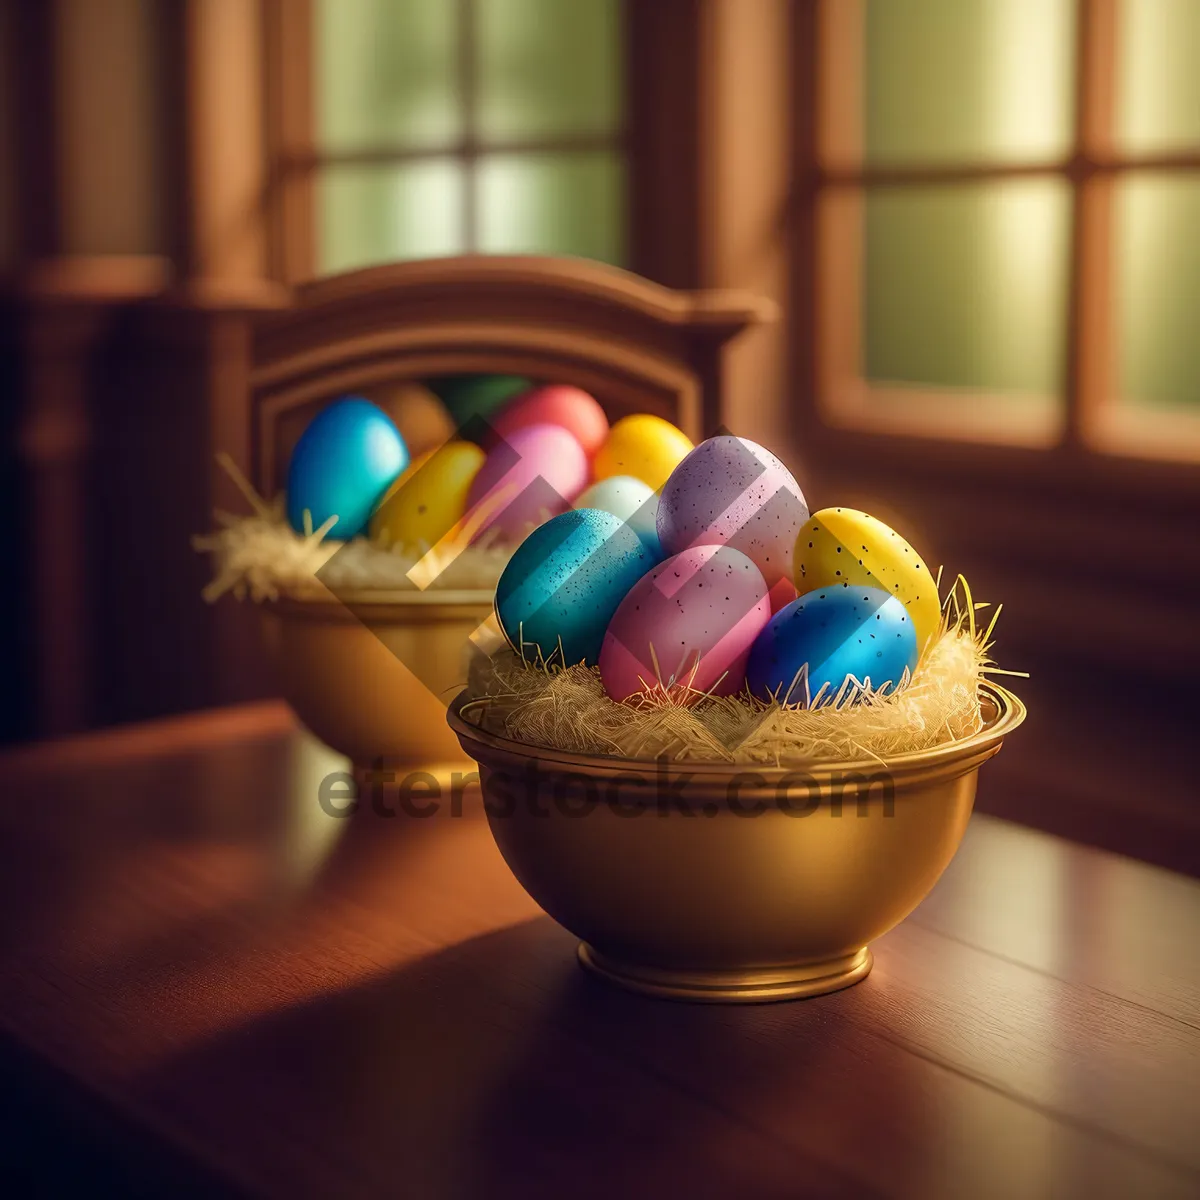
(227, 991)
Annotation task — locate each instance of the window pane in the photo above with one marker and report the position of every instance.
(968, 79)
(965, 287)
(570, 203)
(548, 68)
(378, 214)
(1158, 290)
(1158, 83)
(386, 73)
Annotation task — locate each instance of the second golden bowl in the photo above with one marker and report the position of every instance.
(370, 674)
(723, 882)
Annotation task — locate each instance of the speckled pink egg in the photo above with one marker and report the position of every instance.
(699, 611)
(731, 491)
(530, 476)
(555, 404)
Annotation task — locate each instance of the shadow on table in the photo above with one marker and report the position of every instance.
(498, 1067)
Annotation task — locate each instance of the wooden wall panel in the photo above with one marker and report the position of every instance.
(111, 128)
(8, 145)
(745, 180)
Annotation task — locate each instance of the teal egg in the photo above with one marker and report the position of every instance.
(565, 581)
(343, 465)
(839, 632)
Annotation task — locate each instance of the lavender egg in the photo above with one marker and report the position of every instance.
(730, 491)
(691, 620)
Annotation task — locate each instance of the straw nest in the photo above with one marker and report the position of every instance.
(260, 556)
(566, 708)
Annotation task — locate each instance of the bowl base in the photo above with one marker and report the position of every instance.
(749, 986)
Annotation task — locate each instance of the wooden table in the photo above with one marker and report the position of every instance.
(208, 986)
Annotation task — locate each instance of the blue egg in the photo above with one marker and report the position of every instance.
(343, 464)
(839, 632)
(565, 581)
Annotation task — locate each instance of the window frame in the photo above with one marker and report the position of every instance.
(296, 160)
(1092, 431)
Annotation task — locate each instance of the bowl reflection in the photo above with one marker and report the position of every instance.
(370, 674)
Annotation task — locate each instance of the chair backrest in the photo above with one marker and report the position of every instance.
(636, 346)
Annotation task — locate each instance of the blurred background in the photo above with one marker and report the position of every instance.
(980, 219)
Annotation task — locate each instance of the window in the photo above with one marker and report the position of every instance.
(1008, 208)
(420, 128)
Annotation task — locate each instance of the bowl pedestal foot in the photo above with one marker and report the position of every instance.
(747, 986)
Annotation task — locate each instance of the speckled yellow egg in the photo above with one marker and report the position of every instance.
(644, 446)
(426, 501)
(842, 546)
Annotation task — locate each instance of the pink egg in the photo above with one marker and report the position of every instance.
(532, 475)
(731, 491)
(556, 404)
(697, 614)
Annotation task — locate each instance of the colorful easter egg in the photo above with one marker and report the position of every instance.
(555, 404)
(426, 502)
(562, 585)
(473, 399)
(843, 632)
(731, 491)
(691, 620)
(533, 474)
(423, 420)
(644, 446)
(843, 545)
(631, 500)
(343, 465)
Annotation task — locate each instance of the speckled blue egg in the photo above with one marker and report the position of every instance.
(839, 632)
(565, 581)
(343, 465)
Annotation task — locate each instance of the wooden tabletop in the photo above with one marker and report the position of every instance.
(208, 986)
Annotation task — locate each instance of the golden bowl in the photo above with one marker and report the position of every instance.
(371, 673)
(726, 882)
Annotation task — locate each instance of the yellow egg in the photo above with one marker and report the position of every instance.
(644, 446)
(425, 502)
(844, 546)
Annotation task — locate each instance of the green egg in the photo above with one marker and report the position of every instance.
(476, 396)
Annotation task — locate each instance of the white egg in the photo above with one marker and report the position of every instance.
(635, 502)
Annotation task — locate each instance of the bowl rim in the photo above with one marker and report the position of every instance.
(1008, 713)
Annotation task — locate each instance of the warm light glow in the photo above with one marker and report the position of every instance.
(408, 90)
(1026, 78)
(560, 204)
(1157, 281)
(386, 74)
(968, 80)
(377, 214)
(965, 286)
(1158, 85)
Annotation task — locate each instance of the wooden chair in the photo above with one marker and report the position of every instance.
(636, 346)
(367, 672)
